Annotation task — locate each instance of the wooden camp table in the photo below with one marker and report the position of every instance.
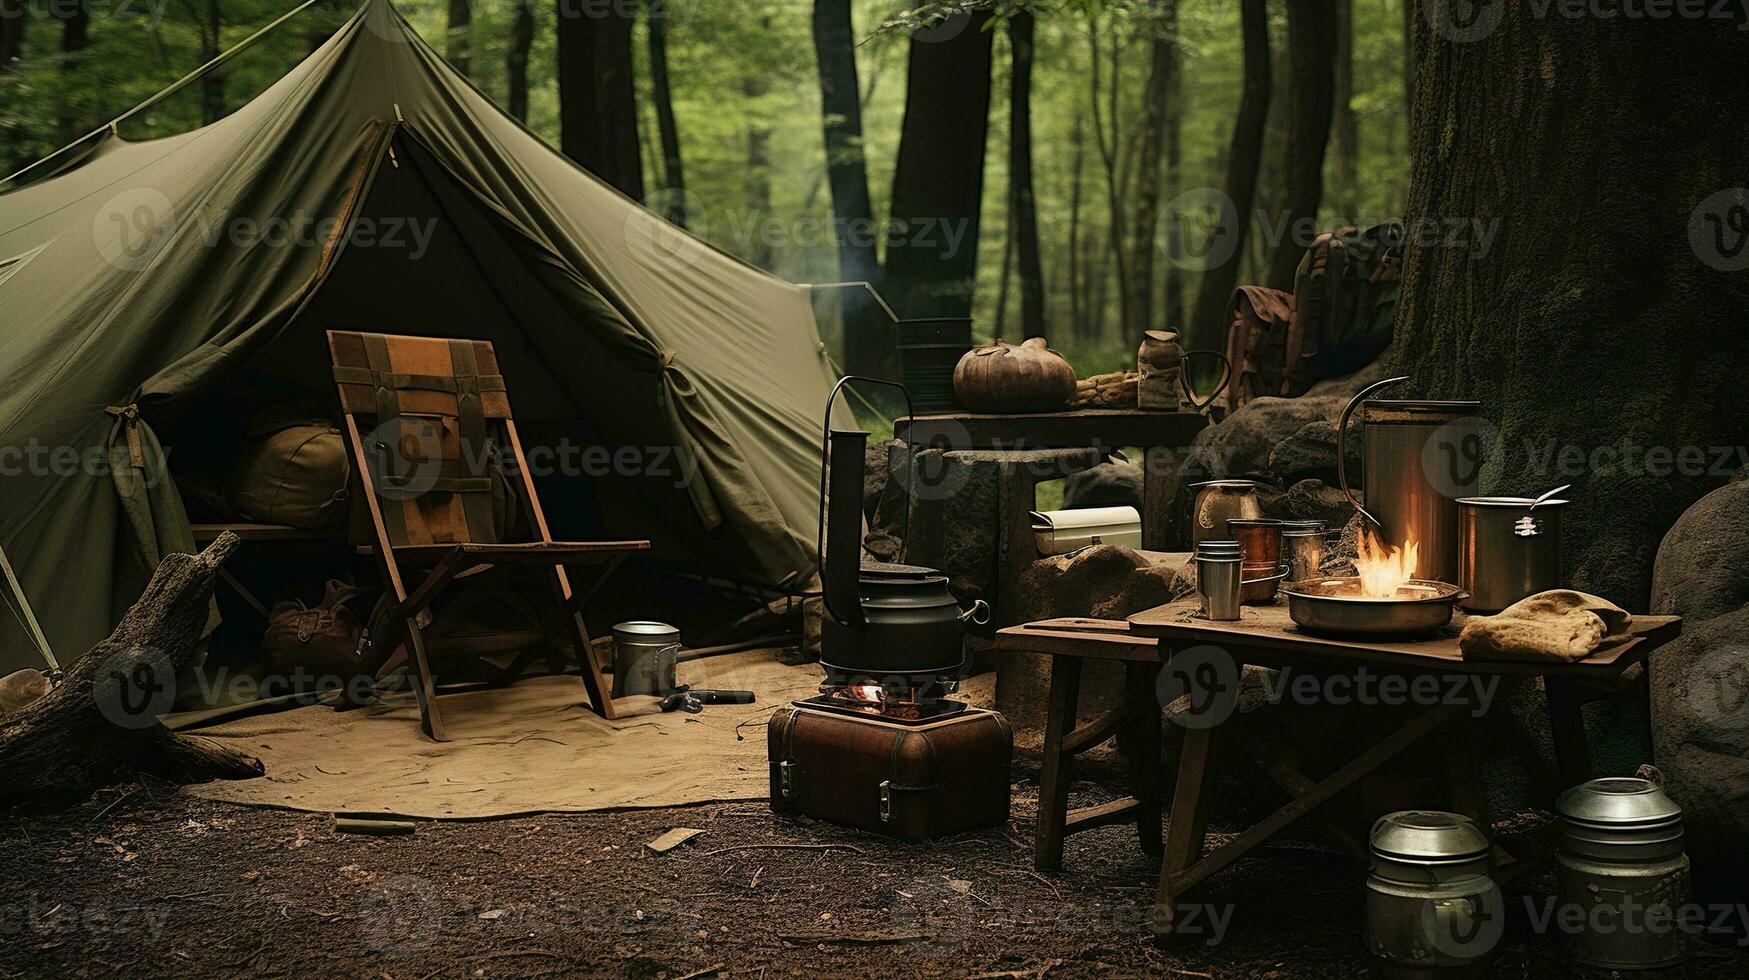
(1208, 655)
(1101, 428)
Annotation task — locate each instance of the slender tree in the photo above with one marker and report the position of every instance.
(456, 39)
(868, 333)
(212, 84)
(1139, 314)
(516, 59)
(673, 171)
(598, 111)
(1409, 58)
(938, 180)
(1244, 157)
(75, 38)
(1347, 125)
(1023, 210)
(1173, 303)
(13, 16)
(1311, 31)
(758, 171)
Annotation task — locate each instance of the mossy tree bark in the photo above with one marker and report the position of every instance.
(1578, 260)
(598, 108)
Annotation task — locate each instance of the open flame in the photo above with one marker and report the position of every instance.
(1382, 569)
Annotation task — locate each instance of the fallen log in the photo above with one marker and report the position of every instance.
(101, 724)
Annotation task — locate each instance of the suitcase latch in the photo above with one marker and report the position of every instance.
(786, 779)
(886, 801)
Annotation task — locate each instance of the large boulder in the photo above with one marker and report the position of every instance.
(1111, 484)
(1283, 440)
(1700, 686)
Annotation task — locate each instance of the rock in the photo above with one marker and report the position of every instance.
(1702, 569)
(1700, 687)
(1282, 439)
(20, 688)
(1105, 485)
(1309, 500)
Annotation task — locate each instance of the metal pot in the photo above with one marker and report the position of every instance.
(1216, 503)
(1302, 547)
(1622, 865)
(1431, 908)
(1420, 457)
(1507, 551)
(1335, 606)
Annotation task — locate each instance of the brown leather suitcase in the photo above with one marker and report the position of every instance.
(913, 782)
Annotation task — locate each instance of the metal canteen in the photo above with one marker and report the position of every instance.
(1216, 503)
(1431, 908)
(1621, 863)
(886, 624)
(1420, 457)
(1507, 550)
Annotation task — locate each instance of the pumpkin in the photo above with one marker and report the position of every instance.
(1028, 377)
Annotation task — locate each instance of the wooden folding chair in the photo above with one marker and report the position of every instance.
(436, 421)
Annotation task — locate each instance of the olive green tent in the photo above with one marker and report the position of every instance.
(163, 289)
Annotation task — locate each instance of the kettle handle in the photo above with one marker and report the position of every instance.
(1342, 445)
(1184, 377)
(979, 613)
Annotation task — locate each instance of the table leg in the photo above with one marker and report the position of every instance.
(1053, 788)
(1162, 489)
(1140, 742)
(1461, 758)
(1185, 830)
(1567, 725)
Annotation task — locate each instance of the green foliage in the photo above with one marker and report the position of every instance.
(746, 68)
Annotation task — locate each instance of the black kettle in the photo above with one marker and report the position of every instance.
(895, 626)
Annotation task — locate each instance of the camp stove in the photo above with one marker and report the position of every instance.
(882, 747)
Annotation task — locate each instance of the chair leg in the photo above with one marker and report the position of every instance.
(430, 715)
(575, 633)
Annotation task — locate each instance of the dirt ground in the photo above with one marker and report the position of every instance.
(146, 882)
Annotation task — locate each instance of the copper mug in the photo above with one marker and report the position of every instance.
(1260, 566)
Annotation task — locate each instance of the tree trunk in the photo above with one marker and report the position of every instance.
(516, 59)
(1602, 327)
(1311, 31)
(1173, 302)
(1110, 146)
(1409, 62)
(758, 171)
(13, 15)
(456, 39)
(869, 336)
(212, 84)
(673, 171)
(1347, 126)
(1077, 308)
(1024, 210)
(938, 180)
(75, 37)
(1226, 242)
(598, 112)
(101, 724)
(1138, 306)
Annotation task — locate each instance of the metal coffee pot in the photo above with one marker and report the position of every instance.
(1220, 501)
(1420, 457)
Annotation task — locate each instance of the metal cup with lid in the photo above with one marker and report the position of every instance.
(1431, 908)
(1623, 875)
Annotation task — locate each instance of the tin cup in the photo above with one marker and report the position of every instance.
(1218, 579)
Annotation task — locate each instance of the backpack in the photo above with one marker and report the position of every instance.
(315, 647)
(1257, 338)
(1344, 302)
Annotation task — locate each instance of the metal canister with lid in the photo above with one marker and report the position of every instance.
(1302, 548)
(1623, 876)
(1218, 578)
(1431, 908)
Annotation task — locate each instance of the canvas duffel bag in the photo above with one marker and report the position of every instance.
(315, 647)
(292, 471)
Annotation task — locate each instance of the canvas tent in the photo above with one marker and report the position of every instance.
(374, 188)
